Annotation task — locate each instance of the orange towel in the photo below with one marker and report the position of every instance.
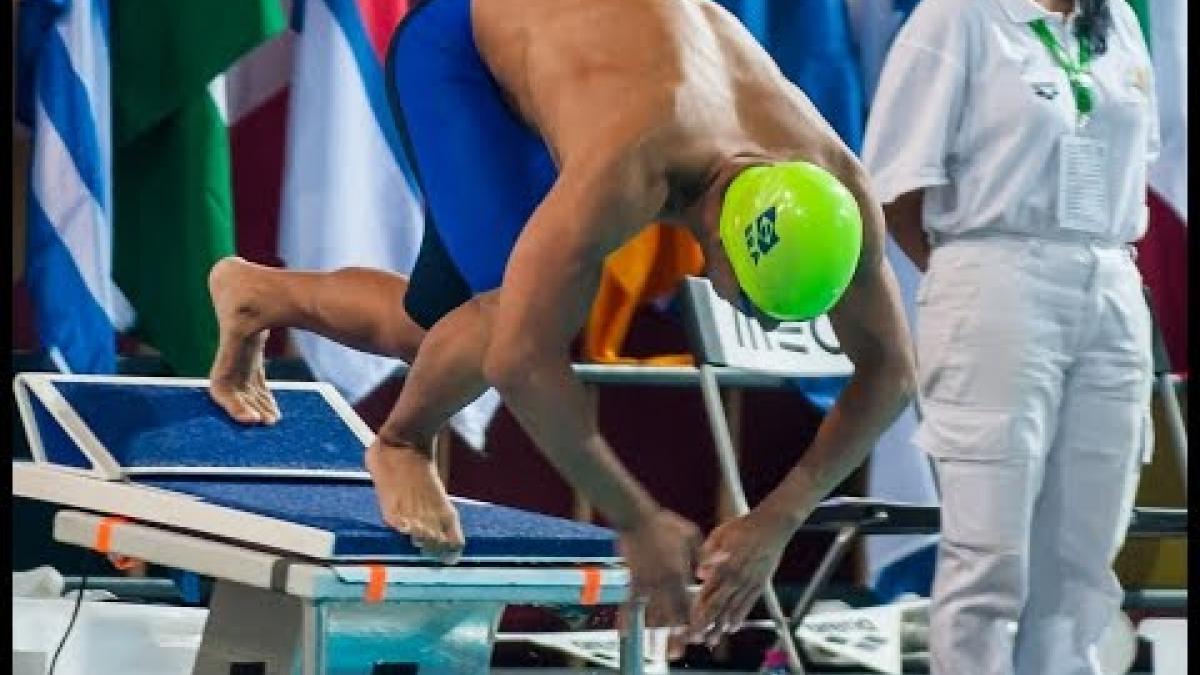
(647, 267)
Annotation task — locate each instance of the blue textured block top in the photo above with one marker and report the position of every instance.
(146, 426)
(348, 509)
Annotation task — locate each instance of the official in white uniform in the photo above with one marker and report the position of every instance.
(1009, 140)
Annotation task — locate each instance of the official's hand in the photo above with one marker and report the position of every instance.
(661, 554)
(736, 564)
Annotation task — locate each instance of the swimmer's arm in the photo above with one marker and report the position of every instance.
(872, 330)
(906, 227)
(548, 289)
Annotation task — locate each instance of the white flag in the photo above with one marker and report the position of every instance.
(1168, 45)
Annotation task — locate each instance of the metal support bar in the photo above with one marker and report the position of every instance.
(661, 376)
(633, 639)
(1171, 599)
(733, 482)
(1175, 425)
(140, 588)
(841, 543)
(290, 368)
(313, 643)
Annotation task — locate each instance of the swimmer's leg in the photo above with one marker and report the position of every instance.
(446, 375)
(358, 307)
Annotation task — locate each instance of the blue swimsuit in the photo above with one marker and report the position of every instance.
(482, 170)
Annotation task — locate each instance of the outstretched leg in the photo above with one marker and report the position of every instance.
(358, 307)
(364, 309)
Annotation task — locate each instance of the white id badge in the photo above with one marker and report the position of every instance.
(1082, 185)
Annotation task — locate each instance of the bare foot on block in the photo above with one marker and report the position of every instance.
(237, 381)
(413, 500)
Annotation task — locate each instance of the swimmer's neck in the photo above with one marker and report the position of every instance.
(703, 219)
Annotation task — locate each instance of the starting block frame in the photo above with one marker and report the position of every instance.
(302, 616)
(37, 392)
(296, 595)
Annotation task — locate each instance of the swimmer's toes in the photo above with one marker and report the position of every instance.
(398, 523)
(453, 535)
(235, 405)
(264, 405)
(265, 398)
(427, 540)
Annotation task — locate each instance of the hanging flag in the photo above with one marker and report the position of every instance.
(813, 45)
(1168, 47)
(257, 91)
(63, 94)
(174, 208)
(348, 199)
(1162, 253)
(1141, 9)
(754, 15)
(875, 23)
(647, 268)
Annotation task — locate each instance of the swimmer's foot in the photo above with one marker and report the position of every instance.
(413, 500)
(237, 381)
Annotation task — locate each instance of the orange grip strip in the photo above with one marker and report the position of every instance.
(103, 542)
(376, 583)
(590, 593)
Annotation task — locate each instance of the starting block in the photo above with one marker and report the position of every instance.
(308, 578)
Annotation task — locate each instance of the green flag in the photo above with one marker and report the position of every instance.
(173, 215)
(1142, 9)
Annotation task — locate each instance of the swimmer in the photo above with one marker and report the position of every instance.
(544, 135)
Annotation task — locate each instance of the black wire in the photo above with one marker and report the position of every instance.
(70, 625)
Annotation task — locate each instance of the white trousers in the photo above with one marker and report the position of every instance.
(1035, 379)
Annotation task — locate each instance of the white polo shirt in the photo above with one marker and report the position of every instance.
(972, 107)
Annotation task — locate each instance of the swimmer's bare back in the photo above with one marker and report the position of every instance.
(680, 81)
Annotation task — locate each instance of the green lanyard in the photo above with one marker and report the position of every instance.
(1077, 73)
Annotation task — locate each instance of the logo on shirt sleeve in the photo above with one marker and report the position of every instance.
(761, 235)
(1139, 78)
(1046, 90)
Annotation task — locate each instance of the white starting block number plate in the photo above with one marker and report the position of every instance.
(725, 336)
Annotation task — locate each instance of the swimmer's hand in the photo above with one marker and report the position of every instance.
(736, 563)
(660, 551)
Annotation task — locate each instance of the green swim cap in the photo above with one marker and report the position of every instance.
(793, 234)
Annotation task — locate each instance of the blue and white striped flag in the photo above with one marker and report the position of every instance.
(64, 98)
